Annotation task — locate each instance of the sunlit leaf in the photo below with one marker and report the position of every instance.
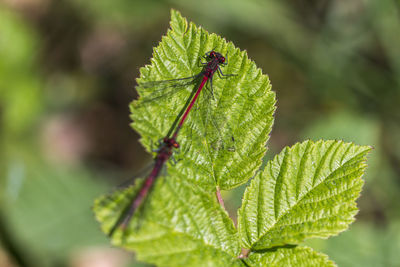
(225, 135)
(292, 256)
(308, 190)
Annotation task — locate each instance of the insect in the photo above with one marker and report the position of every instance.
(212, 66)
(164, 152)
(154, 91)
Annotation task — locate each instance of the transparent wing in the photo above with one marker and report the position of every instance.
(214, 127)
(156, 90)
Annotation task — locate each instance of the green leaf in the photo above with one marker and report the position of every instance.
(20, 84)
(223, 140)
(39, 215)
(308, 190)
(365, 245)
(179, 226)
(298, 256)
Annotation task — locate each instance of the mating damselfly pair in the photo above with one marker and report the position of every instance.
(167, 144)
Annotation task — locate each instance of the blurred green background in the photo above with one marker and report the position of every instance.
(67, 70)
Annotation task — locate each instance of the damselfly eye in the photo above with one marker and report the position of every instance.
(212, 54)
(222, 60)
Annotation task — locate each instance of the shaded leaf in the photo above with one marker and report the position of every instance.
(179, 227)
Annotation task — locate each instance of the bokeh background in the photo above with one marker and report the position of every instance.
(67, 70)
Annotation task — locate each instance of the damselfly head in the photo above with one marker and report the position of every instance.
(217, 56)
(170, 142)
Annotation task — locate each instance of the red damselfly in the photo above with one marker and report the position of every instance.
(215, 59)
(165, 151)
(160, 91)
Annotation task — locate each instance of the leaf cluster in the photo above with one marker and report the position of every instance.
(308, 190)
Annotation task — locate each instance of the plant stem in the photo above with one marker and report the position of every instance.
(219, 197)
(244, 253)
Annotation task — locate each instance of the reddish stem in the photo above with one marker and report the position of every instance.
(244, 253)
(219, 197)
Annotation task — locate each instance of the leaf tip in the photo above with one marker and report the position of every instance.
(178, 23)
